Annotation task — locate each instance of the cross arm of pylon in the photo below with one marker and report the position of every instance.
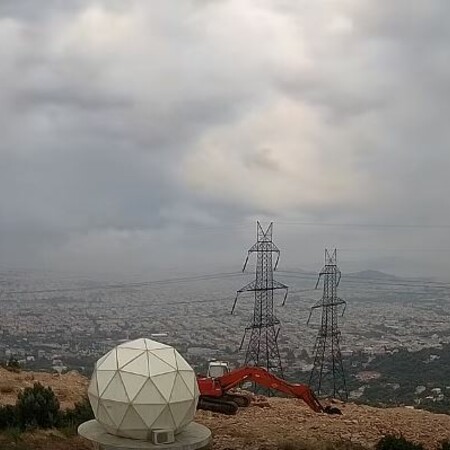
(278, 285)
(342, 302)
(319, 304)
(267, 247)
(248, 287)
(318, 279)
(253, 286)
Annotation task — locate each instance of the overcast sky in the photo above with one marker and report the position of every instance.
(148, 136)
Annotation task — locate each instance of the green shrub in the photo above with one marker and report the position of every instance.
(8, 417)
(82, 412)
(37, 407)
(397, 443)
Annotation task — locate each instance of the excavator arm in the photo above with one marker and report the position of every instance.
(218, 387)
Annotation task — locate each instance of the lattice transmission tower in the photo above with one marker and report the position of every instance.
(327, 376)
(262, 348)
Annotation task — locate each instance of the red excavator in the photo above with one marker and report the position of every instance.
(215, 392)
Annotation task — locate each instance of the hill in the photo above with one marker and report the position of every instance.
(373, 275)
(275, 423)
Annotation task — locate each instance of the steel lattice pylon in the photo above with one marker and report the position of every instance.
(327, 375)
(262, 349)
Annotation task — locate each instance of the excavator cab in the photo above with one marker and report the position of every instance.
(212, 395)
(218, 369)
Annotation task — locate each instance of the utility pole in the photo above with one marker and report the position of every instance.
(327, 375)
(262, 348)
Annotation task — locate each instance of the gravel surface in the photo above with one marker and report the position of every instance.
(278, 421)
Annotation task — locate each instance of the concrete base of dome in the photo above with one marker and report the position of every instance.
(193, 437)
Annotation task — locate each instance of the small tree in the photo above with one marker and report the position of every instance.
(37, 407)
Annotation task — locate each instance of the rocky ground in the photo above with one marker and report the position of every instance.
(285, 423)
(274, 423)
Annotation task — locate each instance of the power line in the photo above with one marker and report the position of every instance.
(119, 286)
(394, 250)
(357, 279)
(366, 225)
(348, 279)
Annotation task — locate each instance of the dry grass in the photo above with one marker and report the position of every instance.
(41, 440)
(69, 388)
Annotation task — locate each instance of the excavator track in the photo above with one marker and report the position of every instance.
(242, 400)
(218, 405)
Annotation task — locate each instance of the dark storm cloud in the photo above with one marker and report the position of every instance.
(128, 125)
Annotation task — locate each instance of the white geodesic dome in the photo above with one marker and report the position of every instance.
(143, 385)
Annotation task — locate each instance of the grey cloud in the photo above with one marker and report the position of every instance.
(264, 159)
(32, 11)
(287, 110)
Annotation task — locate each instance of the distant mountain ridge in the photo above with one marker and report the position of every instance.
(373, 275)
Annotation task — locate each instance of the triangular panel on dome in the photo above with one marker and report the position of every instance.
(165, 383)
(100, 360)
(133, 383)
(179, 411)
(116, 410)
(158, 366)
(110, 362)
(165, 420)
(132, 420)
(154, 345)
(93, 400)
(189, 416)
(136, 344)
(104, 418)
(196, 390)
(104, 377)
(190, 379)
(167, 355)
(115, 390)
(149, 413)
(182, 363)
(125, 355)
(180, 391)
(93, 386)
(139, 366)
(149, 394)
